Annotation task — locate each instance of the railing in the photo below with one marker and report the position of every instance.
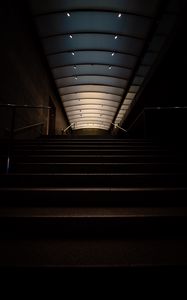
(117, 126)
(165, 107)
(147, 109)
(71, 125)
(155, 108)
(28, 127)
(13, 131)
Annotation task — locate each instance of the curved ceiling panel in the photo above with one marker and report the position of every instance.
(97, 119)
(95, 21)
(92, 57)
(91, 41)
(92, 88)
(98, 102)
(87, 79)
(105, 70)
(91, 95)
(142, 7)
(100, 53)
(86, 112)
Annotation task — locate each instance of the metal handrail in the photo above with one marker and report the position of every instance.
(11, 105)
(155, 108)
(164, 107)
(14, 107)
(64, 130)
(116, 125)
(150, 108)
(28, 127)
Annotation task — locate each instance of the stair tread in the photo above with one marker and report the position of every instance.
(129, 212)
(147, 174)
(93, 212)
(97, 252)
(93, 189)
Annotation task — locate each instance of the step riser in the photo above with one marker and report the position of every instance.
(91, 180)
(86, 146)
(93, 227)
(54, 152)
(62, 253)
(97, 168)
(93, 198)
(92, 159)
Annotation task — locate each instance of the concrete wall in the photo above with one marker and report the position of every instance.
(167, 88)
(24, 75)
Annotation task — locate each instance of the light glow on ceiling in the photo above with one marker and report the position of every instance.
(80, 39)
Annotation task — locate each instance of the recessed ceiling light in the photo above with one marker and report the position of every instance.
(73, 53)
(110, 67)
(119, 15)
(68, 14)
(74, 67)
(71, 36)
(113, 53)
(76, 78)
(116, 37)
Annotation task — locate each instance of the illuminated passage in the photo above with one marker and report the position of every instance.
(100, 53)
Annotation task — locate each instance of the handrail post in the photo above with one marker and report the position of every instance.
(144, 124)
(11, 140)
(48, 117)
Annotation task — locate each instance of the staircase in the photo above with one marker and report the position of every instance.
(93, 202)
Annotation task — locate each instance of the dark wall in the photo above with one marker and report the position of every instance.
(24, 74)
(166, 88)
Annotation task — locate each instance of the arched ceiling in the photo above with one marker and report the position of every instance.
(100, 53)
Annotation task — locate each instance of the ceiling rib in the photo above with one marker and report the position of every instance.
(76, 74)
(65, 94)
(90, 114)
(98, 64)
(74, 33)
(94, 110)
(88, 50)
(124, 12)
(103, 105)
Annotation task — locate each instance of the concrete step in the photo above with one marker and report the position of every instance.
(93, 196)
(85, 158)
(85, 252)
(127, 180)
(73, 151)
(79, 222)
(99, 167)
